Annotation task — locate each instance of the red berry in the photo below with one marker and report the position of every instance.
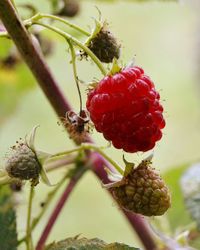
(126, 108)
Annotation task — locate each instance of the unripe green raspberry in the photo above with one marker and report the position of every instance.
(143, 191)
(103, 44)
(23, 163)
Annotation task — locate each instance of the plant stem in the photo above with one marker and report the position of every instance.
(69, 188)
(36, 64)
(47, 202)
(33, 57)
(13, 3)
(65, 153)
(4, 35)
(73, 55)
(105, 156)
(86, 146)
(77, 42)
(50, 166)
(136, 221)
(29, 242)
(39, 16)
(5, 180)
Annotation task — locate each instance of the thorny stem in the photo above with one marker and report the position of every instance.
(39, 16)
(77, 42)
(73, 55)
(29, 242)
(70, 186)
(47, 202)
(48, 84)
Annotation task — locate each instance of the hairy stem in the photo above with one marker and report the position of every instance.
(87, 146)
(47, 202)
(76, 42)
(36, 63)
(29, 242)
(61, 202)
(73, 55)
(39, 16)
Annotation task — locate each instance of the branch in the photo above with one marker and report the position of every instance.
(40, 70)
(32, 57)
(58, 207)
(137, 222)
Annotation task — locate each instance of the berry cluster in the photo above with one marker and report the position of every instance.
(126, 108)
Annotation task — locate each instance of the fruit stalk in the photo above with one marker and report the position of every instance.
(39, 16)
(29, 242)
(39, 69)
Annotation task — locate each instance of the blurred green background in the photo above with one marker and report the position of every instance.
(164, 38)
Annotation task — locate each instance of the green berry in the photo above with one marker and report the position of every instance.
(143, 191)
(23, 163)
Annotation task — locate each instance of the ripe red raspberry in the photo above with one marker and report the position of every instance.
(125, 107)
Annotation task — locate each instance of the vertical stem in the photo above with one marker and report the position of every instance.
(137, 222)
(29, 242)
(13, 3)
(69, 188)
(36, 64)
(32, 57)
(73, 55)
(47, 202)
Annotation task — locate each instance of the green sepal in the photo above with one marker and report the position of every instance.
(42, 156)
(115, 67)
(30, 141)
(128, 166)
(95, 31)
(44, 177)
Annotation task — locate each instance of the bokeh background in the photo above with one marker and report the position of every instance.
(164, 39)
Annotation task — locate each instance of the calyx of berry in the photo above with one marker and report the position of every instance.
(102, 43)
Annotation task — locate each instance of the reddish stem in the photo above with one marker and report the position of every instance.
(59, 206)
(40, 70)
(138, 223)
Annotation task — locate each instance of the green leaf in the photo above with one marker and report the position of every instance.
(87, 244)
(190, 184)
(8, 234)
